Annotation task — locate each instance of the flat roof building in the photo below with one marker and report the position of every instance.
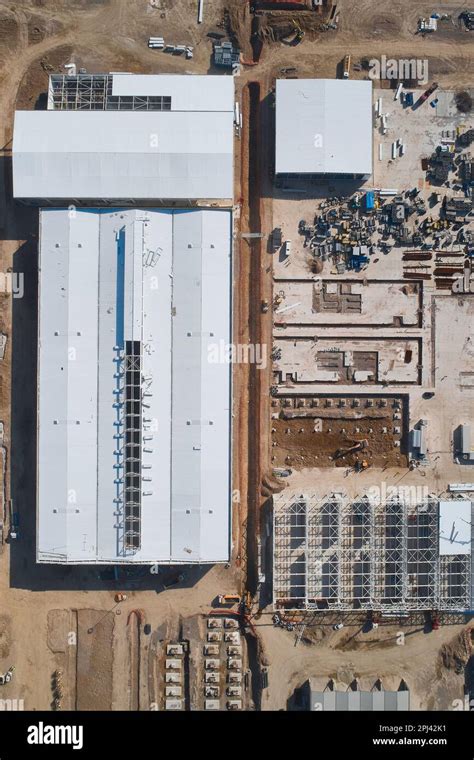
(171, 141)
(323, 128)
(467, 445)
(357, 701)
(455, 518)
(134, 414)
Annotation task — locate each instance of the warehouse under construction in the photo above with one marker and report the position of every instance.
(394, 553)
(130, 138)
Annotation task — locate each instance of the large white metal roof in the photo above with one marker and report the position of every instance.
(182, 153)
(162, 279)
(323, 126)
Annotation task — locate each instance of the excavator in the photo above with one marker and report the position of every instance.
(357, 446)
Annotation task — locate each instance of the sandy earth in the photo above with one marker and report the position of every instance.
(413, 657)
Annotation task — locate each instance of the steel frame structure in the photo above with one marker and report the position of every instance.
(349, 554)
(93, 92)
(128, 446)
(132, 446)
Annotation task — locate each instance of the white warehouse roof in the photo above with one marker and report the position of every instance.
(185, 152)
(188, 93)
(133, 416)
(455, 517)
(323, 126)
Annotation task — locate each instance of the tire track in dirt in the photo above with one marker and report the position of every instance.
(133, 631)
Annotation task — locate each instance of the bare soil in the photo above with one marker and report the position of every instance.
(301, 443)
(94, 660)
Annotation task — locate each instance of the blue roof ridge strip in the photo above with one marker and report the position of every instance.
(171, 274)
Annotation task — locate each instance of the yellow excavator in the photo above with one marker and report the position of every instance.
(357, 446)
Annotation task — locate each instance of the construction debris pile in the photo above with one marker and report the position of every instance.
(158, 43)
(352, 229)
(468, 19)
(429, 25)
(226, 55)
(449, 157)
(348, 230)
(291, 28)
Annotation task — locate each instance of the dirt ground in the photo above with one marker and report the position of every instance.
(40, 36)
(431, 664)
(300, 443)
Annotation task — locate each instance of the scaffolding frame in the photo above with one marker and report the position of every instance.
(132, 446)
(345, 554)
(93, 92)
(129, 446)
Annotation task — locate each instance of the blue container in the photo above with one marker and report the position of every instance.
(369, 200)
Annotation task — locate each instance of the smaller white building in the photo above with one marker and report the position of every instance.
(455, 517)
(323, 127)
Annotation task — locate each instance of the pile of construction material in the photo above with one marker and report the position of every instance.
(427, 25)
(349, 230)
(158, 43)
(468, 19)
(398, 149)
(226, 55)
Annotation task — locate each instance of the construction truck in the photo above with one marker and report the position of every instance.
(428, 92)
(296, 34)
(228, 600)
(7, 677)
(360, 465)
(346, 67)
